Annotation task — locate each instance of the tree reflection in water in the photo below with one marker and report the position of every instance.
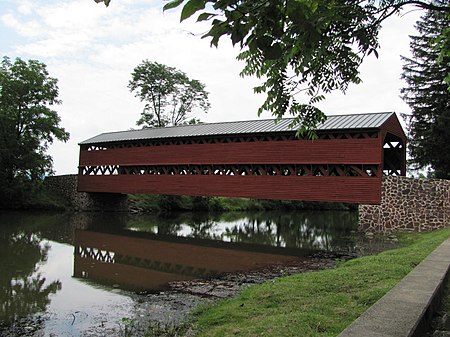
(253, 230)
(327, 230)
(314, 230)
(23, 290)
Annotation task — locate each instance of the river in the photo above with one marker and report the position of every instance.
(82, 274)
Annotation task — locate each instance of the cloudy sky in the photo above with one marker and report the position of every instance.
(92, 51)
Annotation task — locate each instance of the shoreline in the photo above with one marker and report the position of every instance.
(172, 307)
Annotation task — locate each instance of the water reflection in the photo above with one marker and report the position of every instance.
(61, 264)
(331, 231)
(146, 253)
(23, 288)
(137, 261)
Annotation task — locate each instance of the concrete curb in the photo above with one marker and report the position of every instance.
(406, 309)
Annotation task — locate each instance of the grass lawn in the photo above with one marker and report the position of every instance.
(316, 303)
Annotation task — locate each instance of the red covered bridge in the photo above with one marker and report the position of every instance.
(252, 159)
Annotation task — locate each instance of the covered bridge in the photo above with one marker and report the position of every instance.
(252, 159)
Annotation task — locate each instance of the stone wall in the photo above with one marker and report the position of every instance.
(66, 186)
(408, 204)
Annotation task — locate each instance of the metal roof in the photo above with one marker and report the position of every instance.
(333, 122)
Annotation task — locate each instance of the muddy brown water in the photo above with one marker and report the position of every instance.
(82, 274)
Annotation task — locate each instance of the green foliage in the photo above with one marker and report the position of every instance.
(428, 94)
(169, 203)
(28, 126)
(305, 48)
(106, 2)
(169, 94)
(129, 328)
(298, 46)
(316, 303)
(157, 329)
(143, 203)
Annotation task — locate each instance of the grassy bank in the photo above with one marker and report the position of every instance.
(317, 303)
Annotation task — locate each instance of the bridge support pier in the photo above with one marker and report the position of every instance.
(66, 186)
(408, 204)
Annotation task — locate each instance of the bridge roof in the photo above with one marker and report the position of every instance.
(333, 122)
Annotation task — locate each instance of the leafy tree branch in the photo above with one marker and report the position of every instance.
(300, 49)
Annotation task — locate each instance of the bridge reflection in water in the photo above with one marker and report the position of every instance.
(144, 253)
(142, 261)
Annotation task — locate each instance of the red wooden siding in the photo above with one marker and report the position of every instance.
(365, 190)
(393, 126)
(336, 151)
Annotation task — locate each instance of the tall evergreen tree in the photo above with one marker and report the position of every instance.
(428, 95)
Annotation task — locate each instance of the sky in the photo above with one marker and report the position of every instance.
(92, 51)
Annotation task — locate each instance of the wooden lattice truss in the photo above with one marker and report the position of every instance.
(237, 169)
(392, 162)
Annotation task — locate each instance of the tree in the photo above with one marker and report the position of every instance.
(169, 94)
(428, 96)
(307, 47)
(28, 126)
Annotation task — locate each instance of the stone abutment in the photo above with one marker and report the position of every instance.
(66, 186)
(408, 204)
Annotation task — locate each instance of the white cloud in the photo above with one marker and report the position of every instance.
(25, 8)
(71, 16)
(30, 28)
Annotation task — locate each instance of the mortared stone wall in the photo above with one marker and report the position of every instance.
(408, 204)
(66, 186)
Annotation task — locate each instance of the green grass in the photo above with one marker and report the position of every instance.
(316, 303)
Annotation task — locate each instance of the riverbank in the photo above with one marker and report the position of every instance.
(170, 308)
(141, 203)
(319, 303)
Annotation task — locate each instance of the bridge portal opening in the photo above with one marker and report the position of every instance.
(394, 156)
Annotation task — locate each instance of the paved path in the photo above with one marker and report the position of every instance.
(405, 309)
